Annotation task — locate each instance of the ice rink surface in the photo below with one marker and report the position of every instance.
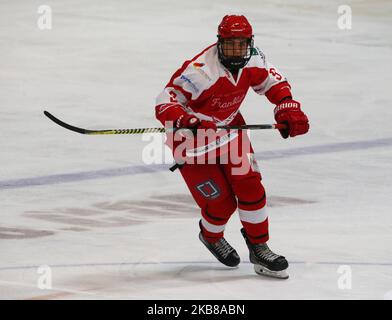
(110, 226)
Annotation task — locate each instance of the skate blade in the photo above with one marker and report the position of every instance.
(263, 271)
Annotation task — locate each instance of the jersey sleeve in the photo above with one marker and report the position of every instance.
(171, 102)
(268, 80)
(185, 86)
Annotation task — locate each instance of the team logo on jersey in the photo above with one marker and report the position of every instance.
(223, 103)
(209, 189)
(193, 86)
(198, 66)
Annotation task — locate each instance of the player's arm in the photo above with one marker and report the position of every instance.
(171, 103)
(269, 81)
(170, 106)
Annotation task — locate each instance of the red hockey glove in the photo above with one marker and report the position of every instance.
(193, 122)
(290, 113)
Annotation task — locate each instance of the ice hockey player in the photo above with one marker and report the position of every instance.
(207, 91)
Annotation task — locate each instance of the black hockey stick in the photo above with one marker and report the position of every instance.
(152, 130)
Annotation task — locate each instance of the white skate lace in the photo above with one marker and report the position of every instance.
(263, 252)
(223, 247)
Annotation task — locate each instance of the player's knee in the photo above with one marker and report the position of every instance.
(249, 190)
(223, 208)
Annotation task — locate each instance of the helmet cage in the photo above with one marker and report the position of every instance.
(234, 62)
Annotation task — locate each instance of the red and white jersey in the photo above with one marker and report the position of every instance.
(205, 88)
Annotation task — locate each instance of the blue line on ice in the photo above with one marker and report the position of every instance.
(122, 264)
(140, 169)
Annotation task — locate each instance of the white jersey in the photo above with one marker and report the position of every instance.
(205, 88)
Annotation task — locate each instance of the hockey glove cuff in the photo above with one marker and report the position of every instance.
(289, 112)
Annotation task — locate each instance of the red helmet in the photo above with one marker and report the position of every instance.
(234, 26)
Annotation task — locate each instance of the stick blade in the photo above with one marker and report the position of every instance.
(65, 125)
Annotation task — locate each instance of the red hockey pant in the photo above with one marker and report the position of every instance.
(219, 191)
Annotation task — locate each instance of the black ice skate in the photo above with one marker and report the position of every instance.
(222, 250)
(266, 263)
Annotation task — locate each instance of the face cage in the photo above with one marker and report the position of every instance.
(235, 63)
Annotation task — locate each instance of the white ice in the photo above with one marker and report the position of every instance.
(134, 236)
